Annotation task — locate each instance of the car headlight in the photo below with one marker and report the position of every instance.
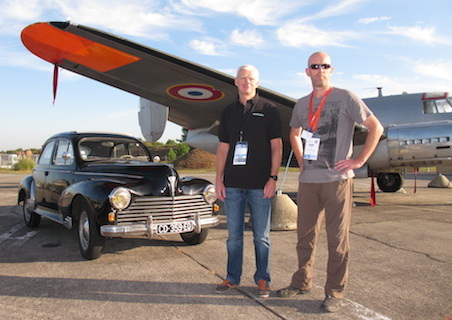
(120, 198)
(209, 194)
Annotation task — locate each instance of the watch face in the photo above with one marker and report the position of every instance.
(274, 177)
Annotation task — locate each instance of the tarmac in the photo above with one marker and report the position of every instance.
(400, 266)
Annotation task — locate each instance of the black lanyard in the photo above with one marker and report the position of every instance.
(246, 118)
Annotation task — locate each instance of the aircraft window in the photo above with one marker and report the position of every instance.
(438, 106)
(64, 154)
(46, 154)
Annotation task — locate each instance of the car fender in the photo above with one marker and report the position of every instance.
(24, 188)
(193, 185)
(95, 192)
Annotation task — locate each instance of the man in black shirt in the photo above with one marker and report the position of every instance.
(248, 158)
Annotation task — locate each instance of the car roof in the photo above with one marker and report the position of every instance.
(79, 135)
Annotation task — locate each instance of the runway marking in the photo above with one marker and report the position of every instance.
(363, 312)
(21, 239)
(360, 311)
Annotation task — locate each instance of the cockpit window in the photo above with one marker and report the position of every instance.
(99, 149)
(437, 105)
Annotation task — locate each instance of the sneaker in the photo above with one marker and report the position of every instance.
(263, 289)
(330, 304)
(225, 286)
(290, 292)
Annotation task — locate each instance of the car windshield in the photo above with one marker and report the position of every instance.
(111, 149)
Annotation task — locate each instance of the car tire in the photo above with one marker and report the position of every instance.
(90, 240)
(194, 238)
(31, 218)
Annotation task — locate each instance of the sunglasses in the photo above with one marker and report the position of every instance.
(319, 66)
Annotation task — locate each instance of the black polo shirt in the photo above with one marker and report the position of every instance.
(260, 122)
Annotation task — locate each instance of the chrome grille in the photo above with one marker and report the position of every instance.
(164, 209)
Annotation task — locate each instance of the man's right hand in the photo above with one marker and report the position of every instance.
(220, 190)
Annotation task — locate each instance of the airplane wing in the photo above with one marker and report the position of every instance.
(195, 95)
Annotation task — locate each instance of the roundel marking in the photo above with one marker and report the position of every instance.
(195, 92)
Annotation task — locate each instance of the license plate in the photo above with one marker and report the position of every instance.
(175, 227)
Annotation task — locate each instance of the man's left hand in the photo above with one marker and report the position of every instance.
(344, 166)
(270, 188)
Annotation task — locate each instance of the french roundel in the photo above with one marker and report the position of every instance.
(195, 92)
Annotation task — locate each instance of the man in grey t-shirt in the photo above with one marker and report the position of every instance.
(321, 136)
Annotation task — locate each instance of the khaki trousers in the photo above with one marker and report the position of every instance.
(333, 201)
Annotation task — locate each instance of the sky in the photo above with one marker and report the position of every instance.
(401, 46)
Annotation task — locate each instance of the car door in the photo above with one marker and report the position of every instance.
(60, 173)
(41, 171)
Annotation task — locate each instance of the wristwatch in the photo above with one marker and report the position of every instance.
(274, 178)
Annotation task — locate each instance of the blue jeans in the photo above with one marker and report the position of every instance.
(260, 208)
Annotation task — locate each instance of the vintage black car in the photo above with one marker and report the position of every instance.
(107, 185)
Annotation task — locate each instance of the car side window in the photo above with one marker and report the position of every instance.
(46, 154)
(64, 154)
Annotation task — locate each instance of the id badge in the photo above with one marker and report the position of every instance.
(240, 153)
(311, 149)
(306, 134)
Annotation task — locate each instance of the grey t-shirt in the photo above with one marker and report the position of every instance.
(336, 125)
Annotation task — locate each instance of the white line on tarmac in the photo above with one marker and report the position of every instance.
(364, 313)
(360, 311)
(13, 230)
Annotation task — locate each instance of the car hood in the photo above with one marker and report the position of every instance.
(145, 179)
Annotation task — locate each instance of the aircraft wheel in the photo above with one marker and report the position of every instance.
(389, 181)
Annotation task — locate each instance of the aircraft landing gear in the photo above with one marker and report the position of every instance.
(389, 181)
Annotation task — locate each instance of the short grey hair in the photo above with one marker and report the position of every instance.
(248, 67)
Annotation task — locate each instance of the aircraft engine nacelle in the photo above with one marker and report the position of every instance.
(380, 159)
(202, 139)
(152, 118)
(420, 145)
(407, 145)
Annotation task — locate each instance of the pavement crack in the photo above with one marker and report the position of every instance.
(399, 248)
(240, 289)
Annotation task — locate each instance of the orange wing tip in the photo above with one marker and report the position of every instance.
(54, 45)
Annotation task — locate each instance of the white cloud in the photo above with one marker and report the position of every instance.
(296, 34)
(440, 70)
(205, 47)
(417, 33)
(143, 18)
(336, 9)
(247, 38)
(21, 9)
(10, 57)
(373, 20)
(132, 17)
(258, 12)
(15, 15)
(427, 76)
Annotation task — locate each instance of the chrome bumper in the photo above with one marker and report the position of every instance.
(150, 229)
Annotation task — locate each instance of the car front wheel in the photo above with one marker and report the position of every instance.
(195, 238)
(90, 240)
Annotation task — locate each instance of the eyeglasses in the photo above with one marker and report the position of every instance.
(320, 66)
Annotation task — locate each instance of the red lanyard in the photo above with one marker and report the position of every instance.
(314, 117)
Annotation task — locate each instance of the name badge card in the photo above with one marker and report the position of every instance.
(240, 153)
(306, 134)
(311, 149)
